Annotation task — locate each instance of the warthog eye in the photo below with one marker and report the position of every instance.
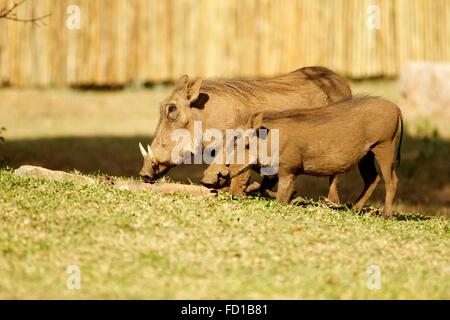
(172, 112)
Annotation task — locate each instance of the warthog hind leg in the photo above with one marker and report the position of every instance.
(385, 153)
(285, 187)
(371, 179)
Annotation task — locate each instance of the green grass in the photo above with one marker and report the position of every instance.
(148, 245)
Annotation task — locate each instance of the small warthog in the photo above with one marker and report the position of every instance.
(216, 103)
(327, 141)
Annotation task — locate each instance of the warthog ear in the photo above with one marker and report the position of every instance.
(181, 83)
(255, 121)
(192, 89)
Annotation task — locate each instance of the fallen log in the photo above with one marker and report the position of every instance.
(169, 188)
(47, 174)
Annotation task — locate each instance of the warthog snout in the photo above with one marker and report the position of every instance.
(151, 169)
(209, 182)
(216, 176)
(147, 177)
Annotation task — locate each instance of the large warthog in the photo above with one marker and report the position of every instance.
(216, 103)
(324, 141)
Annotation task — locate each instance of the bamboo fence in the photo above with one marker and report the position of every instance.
(139, 41)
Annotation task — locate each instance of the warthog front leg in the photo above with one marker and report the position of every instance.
(285, 187)
(267, 185)
(239, 183)
(254, 186)
(333, 194)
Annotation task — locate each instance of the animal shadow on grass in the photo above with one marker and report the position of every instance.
(410, 217)
(322, 202)
(424, 171)
(373, 211)
(365, 211)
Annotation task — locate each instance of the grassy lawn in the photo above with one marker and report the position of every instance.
(146, 245)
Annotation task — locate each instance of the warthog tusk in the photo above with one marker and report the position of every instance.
(143, 152)
(194, 146)
(149, 151)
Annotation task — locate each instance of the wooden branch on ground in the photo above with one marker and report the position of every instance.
(169, 188)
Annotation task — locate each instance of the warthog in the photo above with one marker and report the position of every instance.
(216, 104)
(326, 141)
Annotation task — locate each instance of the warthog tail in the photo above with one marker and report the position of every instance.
(400, 141)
